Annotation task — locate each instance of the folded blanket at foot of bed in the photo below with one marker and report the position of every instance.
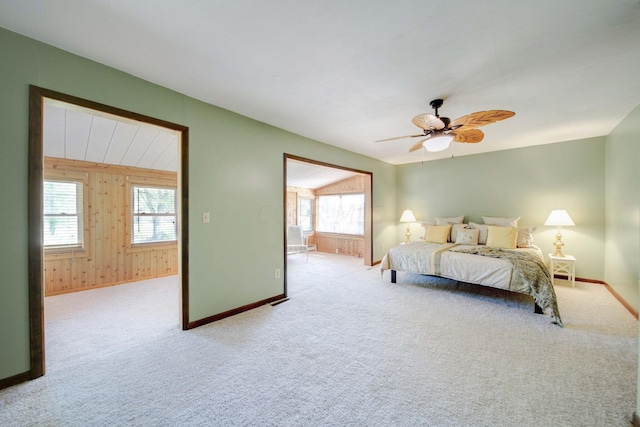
(532, 271)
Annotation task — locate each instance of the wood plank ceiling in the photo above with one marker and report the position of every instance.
(75, 133)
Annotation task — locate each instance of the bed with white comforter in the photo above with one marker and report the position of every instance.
(519, 270)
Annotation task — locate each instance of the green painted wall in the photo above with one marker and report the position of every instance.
(622, 254)
(526, 182)
(236, 173)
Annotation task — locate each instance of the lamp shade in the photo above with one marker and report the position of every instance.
(407, 216)
(559, 218)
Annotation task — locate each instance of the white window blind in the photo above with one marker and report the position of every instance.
(62, 208)
(153, 215)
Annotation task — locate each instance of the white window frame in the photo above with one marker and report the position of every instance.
(81, 213)
(311, 202)
(134, 215)
(338, 229)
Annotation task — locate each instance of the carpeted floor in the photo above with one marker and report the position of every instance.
(347, 349)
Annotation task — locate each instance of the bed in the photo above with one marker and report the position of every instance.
(518, 269)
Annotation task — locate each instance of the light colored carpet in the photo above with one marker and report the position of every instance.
(348, 349)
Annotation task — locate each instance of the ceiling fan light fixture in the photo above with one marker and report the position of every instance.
(438, 143)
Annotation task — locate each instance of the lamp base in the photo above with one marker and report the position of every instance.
(408, 234)
(558, 244)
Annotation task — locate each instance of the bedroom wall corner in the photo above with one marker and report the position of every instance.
(622, 249)
(527, 182)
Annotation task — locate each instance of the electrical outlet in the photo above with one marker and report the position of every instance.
(277, 273)
(336, 250)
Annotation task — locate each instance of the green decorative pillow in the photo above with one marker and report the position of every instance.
(482, 237)
(468, 236)
(437, 233)
(455, 229)
(502, 237)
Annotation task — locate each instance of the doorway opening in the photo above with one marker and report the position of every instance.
(330, 205)
(87, 228)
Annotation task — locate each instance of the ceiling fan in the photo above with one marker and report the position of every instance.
(438, 132)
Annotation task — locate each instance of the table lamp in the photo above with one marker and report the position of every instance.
(408, 217)
(559, 218)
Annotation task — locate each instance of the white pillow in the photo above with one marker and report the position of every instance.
(502, 222)
(453, 220)
(525, 236)
(482, 228)
(468, 236)
(424, 226)
(450, 220)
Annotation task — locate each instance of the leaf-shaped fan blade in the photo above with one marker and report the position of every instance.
(461, 129)
(400, 137)
(417, 145)
(481, 118)
(469, 136)
(428, 122)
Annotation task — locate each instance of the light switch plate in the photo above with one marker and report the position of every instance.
(205, 217)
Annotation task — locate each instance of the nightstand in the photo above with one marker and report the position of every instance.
(563, 265)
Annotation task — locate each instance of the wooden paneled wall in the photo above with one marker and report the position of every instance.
(292, 207)
(340, 244)
(329, 242)
(108, 258)
(353, 185)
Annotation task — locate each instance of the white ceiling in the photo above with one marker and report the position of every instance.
(309, 175)
(350, 72)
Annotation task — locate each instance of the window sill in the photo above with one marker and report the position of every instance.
(346, 236)
(65, 253)
(145, 247)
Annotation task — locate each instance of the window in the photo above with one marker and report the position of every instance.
(343, 214)
(63, 214)
(305, 214)
(153, 214)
